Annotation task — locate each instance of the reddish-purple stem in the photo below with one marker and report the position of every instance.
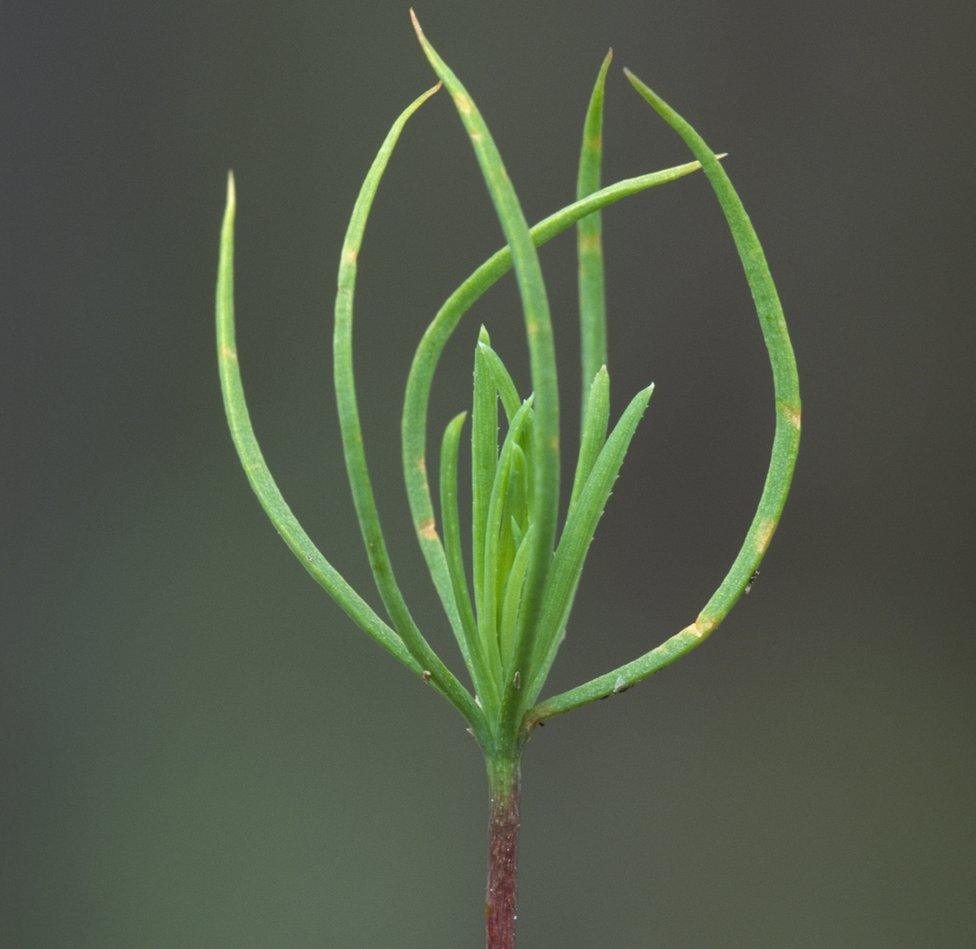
(503, 827)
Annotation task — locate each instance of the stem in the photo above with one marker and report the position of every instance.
(504, 780)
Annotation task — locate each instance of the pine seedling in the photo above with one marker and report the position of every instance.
(509, 613)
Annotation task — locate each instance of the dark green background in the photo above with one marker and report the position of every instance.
(200, 750)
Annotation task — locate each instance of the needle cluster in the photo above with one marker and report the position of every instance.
(509, 612)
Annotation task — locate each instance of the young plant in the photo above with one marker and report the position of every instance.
(509, 615)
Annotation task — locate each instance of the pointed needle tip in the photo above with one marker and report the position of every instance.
(635, 82)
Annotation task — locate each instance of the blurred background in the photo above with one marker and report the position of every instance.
(199, 749)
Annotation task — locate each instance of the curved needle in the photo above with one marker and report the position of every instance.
(785, 447)
(542, 354)
(256, 469)
(352, 439)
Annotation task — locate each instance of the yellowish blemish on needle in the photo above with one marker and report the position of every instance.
(590, 242)
(701, 627)
(765, 534)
